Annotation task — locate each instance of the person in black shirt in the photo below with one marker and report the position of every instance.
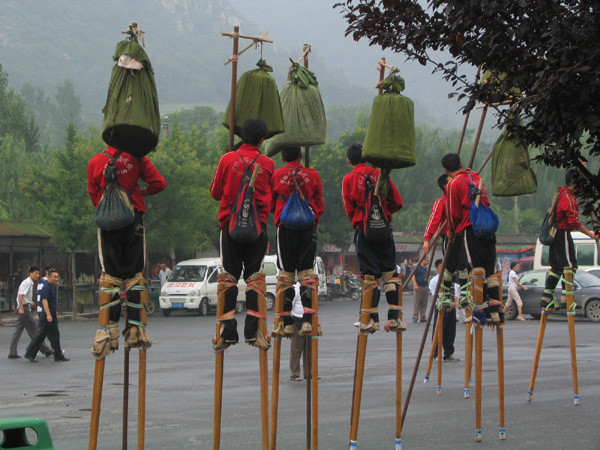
(48, 321)
(421, 285)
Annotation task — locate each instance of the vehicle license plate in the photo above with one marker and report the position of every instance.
(176, 305)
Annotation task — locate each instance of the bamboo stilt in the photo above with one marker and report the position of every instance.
(142, 400)
(307, 372)
(219, 361)
(478, 135)
(440, 327)
(568, 277)
(96, 402)
(468, 353)
(263, 364)
(538, 352)
(398, 443)
(236, 38)
(125, 390)
(478, 279)
(434, 345)
(500, 351)
(315, 368)
(361, 351)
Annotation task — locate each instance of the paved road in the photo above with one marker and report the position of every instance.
(180, 389)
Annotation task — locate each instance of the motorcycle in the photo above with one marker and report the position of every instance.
(343, 287)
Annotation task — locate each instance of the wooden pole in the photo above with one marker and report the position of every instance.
(307, 376)
(381, 67)
(315, 367)
(434, 345)
(279, 299)
(361, 351)
(538, 352)
(219, 360)
(478, 136)
(478, 280)
(255, 41)
(236, 36)
(569, 291)
(305, 51)
(464, 128)
(263, 365)
(398, 443)
(142, 400)
(426, 330)
(468, 353)
(96, 402)
(125, 380)
(500, 350)
(440, 327)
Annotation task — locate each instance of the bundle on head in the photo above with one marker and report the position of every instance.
(303, 112)
(390, 142)
(257, 98)
(131, 116)
(511, 170)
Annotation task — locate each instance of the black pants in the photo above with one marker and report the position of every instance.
(374, 258)
(47, 330)
(296, 249)
(240, 258)
(448, 331)
(122, 251)
(561, 254)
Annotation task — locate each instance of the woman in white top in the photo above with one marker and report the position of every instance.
(513, 282)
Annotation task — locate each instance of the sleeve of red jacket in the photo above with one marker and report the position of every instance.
(393, 200)
(435, 219)
(317, 201)
(349, 204)
(148, 173)
(94, 189)
(216, 185)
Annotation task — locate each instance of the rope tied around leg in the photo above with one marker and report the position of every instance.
(111, 304)
(284, 282)
(309, 311)
(230, 315)
(466, 296)
(256, 314)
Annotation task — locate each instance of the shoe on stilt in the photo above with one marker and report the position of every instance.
(368, 327)
(259, 341)
(395, 325)
(229, 336)
(284, 331)
(306, 329)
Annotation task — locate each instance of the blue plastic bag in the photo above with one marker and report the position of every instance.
(297, 213)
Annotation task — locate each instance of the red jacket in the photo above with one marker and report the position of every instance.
(228, 176)
(353, 195)
(567, 211)
(129, 170)
(437, 217)
(458, 202)
(310, 185)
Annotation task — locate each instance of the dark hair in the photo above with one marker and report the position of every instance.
(571, 177)
(443, 181)
(437, 262)
(33, 269)
(513, 264)
(354, 154)
(52, 270)
(291, 154)
(451, 162)
(253, 131)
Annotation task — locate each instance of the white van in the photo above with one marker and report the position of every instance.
(192, 286)
(585, 249)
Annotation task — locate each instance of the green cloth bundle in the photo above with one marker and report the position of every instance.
(257, 98)
(131, 116)
(390, 142)
(511, 170)
(303, 112)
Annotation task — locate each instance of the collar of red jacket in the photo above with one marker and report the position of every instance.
(248, 148)
(359, 167)
(567, 190)
(293, 164)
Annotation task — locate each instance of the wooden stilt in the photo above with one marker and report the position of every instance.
(366, 303)
(263, 364)
(96, 402)
(464, 128)
(569, 288)
(478, 279)
(500, 350)
(315, 367)
(142, 400)
(279, 299)
(538, 352)
(440, 342)
(219, 360)
(125, 383)
(468, 353)
(398, 443)
(478, 135)
(307, 377)
(434, 346)
(236, 39)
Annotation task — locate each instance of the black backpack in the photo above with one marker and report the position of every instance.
(244, 222)
(115, 210)
(376, 227)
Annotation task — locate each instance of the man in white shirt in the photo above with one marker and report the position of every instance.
(513, 282)
(449, 326)
(26, 319)
(164, 273)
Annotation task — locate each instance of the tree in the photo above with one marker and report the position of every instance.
(546, 50)
(13, 118)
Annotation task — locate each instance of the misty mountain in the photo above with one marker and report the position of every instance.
(45, 42)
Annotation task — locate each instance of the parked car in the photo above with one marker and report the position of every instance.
(586, 296)
(595, 272)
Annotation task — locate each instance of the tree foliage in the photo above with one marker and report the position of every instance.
(547, 50)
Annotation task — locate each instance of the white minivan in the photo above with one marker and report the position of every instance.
(192, 286)
(585, 249)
